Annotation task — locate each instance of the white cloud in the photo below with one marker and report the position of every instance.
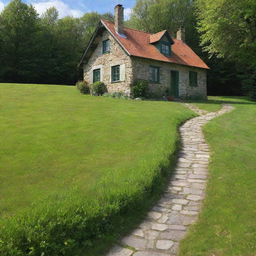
(63, 8)
(1, 6)
(127, 13)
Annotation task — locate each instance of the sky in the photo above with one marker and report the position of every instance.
(77, 8)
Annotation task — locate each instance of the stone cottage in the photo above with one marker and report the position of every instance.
(118, 56)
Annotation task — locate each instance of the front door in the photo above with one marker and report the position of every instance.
(175, 83)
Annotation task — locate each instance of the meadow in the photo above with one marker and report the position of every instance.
(227, 226)
(73, 165)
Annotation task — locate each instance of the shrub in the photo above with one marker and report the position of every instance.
(98, 88)
(140, 89)
(155, 94)
(83, 87)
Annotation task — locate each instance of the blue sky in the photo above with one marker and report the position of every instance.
(77, 8)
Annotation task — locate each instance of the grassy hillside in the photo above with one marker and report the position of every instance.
(71, 163)
(227, 225)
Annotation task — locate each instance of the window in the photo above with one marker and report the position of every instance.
(96, 75)
(193, 79)
(154, 74)
(115, 73)
(105, 46)
(165, 49)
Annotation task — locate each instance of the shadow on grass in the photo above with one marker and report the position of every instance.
(218, 101)
(225, 100)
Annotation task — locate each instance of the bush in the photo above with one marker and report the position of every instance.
(156, 94)
(98, 88)
(83, 87)
(140, 89)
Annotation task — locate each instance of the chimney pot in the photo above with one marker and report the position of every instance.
(119, 19)
(181, 34)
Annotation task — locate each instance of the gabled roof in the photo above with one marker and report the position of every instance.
(138, 43)
(158, 36)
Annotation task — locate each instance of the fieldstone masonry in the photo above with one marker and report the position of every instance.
(116, 56)
(134, 68)
(167, 223)
(141, 71)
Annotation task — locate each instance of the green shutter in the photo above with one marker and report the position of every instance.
(193, 79)
(154, 74)
(158, 75)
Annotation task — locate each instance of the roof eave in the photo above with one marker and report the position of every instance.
(187, 65)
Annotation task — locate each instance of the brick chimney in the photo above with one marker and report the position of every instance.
(119, 19)
(181, 34)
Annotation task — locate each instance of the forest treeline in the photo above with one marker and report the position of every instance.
(42, 49)
(46, 49)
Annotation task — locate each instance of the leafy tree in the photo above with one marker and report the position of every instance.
(19, 27)
(156, 15)
(50, 17)
(228, 29)
(42, 49)
(69, 35)
(90, 21)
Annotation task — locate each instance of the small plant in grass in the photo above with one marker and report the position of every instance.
(83, 87)
(155, 95)
(98, 88)
(140, 89)
(118, 95)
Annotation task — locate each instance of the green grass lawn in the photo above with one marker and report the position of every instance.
(227, 225)
(212, 104)
(67, 154)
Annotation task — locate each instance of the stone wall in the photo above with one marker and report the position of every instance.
(117, 56)
(141, 71)
(137, 68)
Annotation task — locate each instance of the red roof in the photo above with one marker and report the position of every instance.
(156, 37)
(138, 43)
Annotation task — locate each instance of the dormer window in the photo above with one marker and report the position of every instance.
(163, 42)
(106, 46)
(165, 48)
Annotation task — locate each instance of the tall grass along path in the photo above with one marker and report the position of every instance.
(167, 223)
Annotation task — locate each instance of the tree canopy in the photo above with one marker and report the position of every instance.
(47, 49)
(42, 49)
(228, 30)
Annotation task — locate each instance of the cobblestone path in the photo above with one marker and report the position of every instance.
(167, 223)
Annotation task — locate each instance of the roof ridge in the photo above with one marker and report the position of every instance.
(130, 28)
(165, 30)
(139, 30)
(182, 53)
